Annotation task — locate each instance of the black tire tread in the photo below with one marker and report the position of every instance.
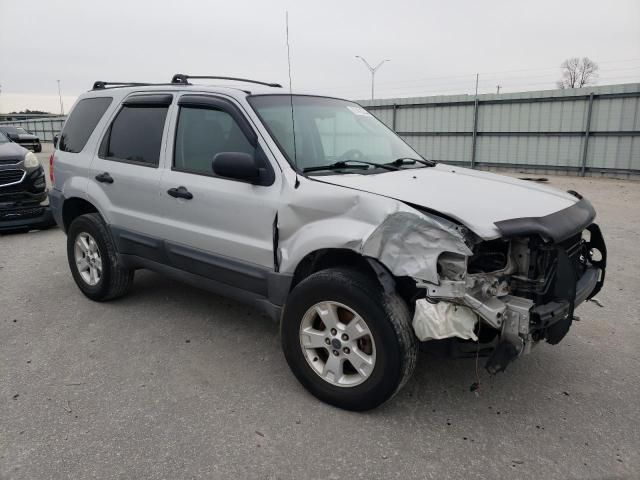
(400, 318)
(397, 313)
(119, 278)
(396, 310)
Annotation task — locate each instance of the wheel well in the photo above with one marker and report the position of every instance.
(328, 258)
(337, 257)
(73, 208)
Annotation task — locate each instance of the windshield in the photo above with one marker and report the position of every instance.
(3, 138)
(21, 130)
(328, 131)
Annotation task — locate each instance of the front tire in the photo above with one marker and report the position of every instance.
(346, 340)
(93, 259)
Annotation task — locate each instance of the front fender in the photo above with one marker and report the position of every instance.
(407, 242)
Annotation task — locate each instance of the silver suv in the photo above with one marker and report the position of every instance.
(312, 210)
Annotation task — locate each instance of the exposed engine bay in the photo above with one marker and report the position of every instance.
(519, 289)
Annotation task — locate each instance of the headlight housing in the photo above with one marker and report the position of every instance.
(31, 161)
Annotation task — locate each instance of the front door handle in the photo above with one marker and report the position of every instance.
(180, 192)
(104, 178)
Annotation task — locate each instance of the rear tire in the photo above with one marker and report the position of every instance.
(93, 259)
(383, 319)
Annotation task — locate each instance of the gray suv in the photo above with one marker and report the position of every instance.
(313, 211)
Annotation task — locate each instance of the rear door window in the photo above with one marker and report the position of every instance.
(135, 135)
(80, 125)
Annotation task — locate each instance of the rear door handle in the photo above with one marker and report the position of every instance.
(180, 192)
(104, 178)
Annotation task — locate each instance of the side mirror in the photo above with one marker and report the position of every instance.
(55, 141)
(236, 165)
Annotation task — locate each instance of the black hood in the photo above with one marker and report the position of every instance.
(11, 151)
(27, 136)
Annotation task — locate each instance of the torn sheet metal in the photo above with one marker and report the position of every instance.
(319, 216)
(405, 240)
(409, 244)
(435, 321)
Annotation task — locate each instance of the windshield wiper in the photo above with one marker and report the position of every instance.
(345, 164)
(399, 162)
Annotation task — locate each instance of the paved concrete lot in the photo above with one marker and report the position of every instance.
(171, 382)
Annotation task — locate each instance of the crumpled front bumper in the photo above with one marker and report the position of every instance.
(551, 321)
(552, 312)
(572, 288)
(521, 311)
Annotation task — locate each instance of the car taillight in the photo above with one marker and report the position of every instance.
(51, 177)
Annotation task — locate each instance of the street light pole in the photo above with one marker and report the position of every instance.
(60, 97)
(373, 71)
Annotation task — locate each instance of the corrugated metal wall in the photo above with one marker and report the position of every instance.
(588, 130)
(44, 128)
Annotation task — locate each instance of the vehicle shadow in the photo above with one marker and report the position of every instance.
(444, 383)
(23, 231)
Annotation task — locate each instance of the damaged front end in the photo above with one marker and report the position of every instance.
(517, 290)
(506, 293)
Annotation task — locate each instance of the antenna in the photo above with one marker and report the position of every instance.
(293, 123)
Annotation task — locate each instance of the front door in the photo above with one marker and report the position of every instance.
(217, 227)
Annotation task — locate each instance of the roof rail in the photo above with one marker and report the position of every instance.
(183, 79)
(100, 85)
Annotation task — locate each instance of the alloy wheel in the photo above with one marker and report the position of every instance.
(337, 344)
(88, 259)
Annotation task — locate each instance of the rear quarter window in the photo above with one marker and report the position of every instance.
(80, 125)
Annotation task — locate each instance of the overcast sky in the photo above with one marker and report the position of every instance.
(434, 47)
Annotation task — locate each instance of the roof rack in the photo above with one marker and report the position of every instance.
(182, 79)
(178, 79)
(100, 85)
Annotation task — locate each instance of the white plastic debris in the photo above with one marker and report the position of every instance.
(434, 321)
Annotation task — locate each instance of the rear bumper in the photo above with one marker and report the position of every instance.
(56, 200)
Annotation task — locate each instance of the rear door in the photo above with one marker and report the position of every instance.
(124, 177)
(225, 229)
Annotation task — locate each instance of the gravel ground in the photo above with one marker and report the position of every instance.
(172, 382)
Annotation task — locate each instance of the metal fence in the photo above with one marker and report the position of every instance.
(587, 131)
(45, 128)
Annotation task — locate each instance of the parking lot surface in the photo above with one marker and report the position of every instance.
(173, 382)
